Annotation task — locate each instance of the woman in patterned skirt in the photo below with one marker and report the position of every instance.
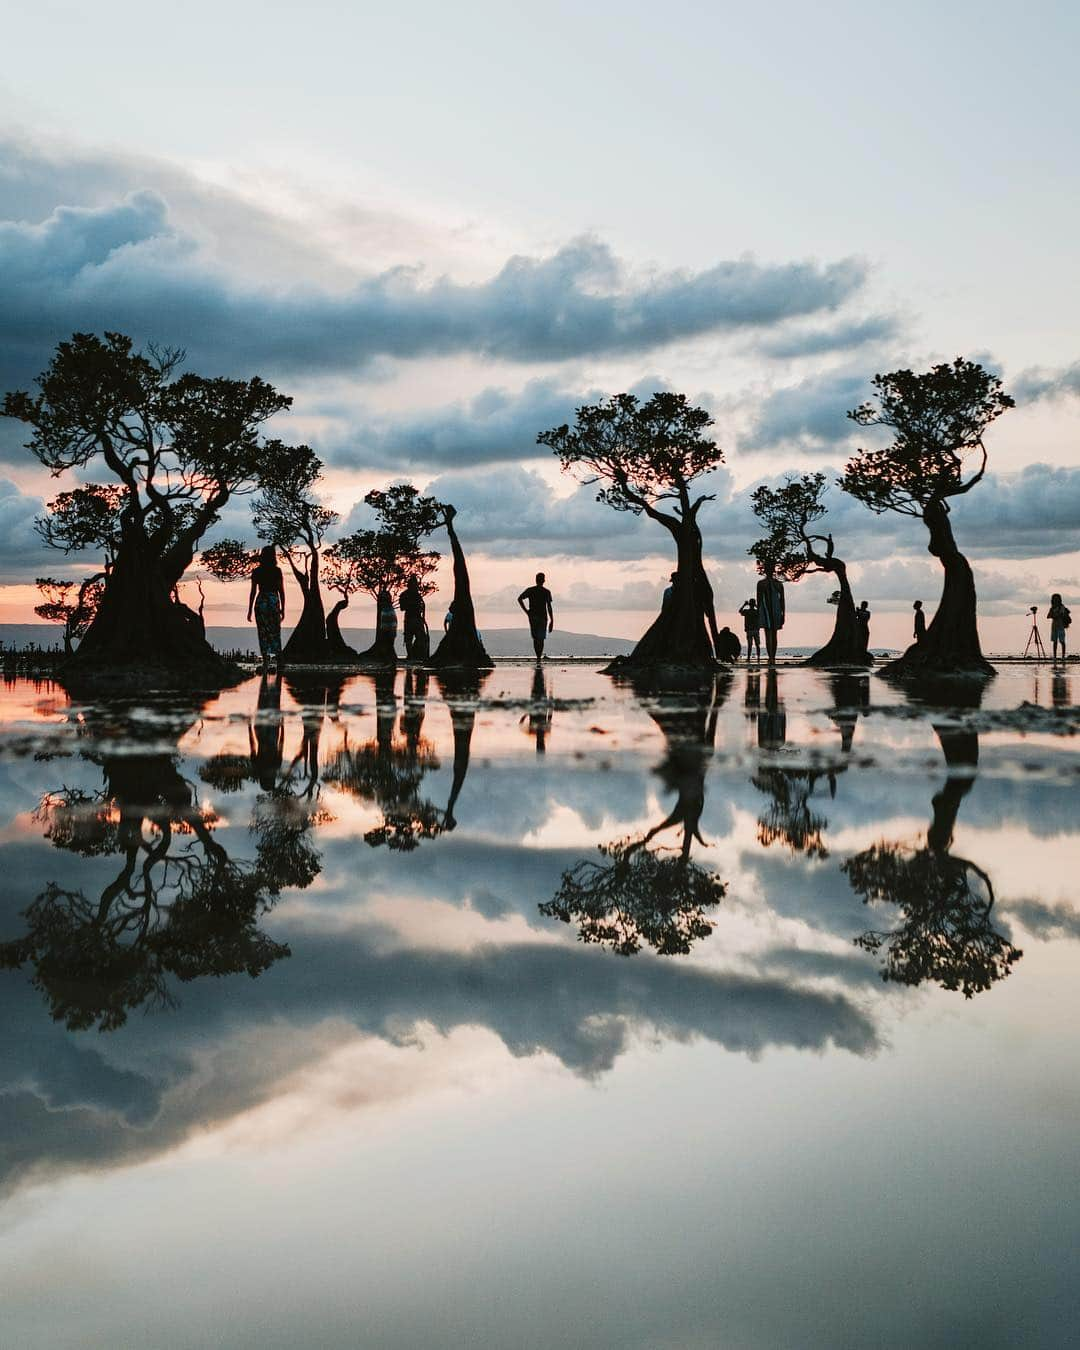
(267, 599)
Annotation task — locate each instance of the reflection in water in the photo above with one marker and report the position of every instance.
(945, 933)
(179, 906)
(790, 819)
(541, 710)
(389, 770)
(640, 895)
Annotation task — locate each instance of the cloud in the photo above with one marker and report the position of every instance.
(126, 265)
(1039, 383)
(22, 554)
(790, 344)
(810, 416)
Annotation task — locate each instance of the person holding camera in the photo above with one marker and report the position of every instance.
(1060, 618)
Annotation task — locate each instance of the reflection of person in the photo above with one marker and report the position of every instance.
(536, 602)
(751, 626)
(770, 604)
(386, 618)
(862, 615)
(266, 734)
(1060, 619)
(728, 646)
(1060, 691)
(267, 599)
(540, 713)
(411, 604)
(772, 719)
(920, 621)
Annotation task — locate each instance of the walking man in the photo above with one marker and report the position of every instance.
(536, 602)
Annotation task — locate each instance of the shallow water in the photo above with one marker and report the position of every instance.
(301, 1045)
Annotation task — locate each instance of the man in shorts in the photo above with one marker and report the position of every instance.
(536, 602)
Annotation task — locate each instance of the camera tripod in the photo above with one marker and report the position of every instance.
(1035, 641)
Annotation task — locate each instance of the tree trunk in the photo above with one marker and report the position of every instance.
(951, 645)
(139, 628)
(383, 651)
(847, 646)
(339, 648)
(461, 645)
(308, 642)
(679, 635)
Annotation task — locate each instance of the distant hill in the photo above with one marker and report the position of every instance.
(505, 642)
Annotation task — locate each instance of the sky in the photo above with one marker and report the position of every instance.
(442, 229)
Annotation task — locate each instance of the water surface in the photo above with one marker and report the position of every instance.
(541, 1011)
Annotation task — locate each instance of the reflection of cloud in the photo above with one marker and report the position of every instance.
(582, 1007)
(1046, 921)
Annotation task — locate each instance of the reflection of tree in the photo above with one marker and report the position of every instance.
(178, 907)
(389, 770)
(945, 903)
(461, 691)
(639, 896)
(289, 806)
(790, 818)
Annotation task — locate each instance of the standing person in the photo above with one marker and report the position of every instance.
(1060, 619)
(862, 616)
(751, 626)
(669, 592)
(920, 621)
(385, 620)
(770, 606)
(448, 618)
(267, 598)
(536, 602)
(411, 604)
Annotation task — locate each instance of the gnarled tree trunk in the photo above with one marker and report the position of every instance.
(461, 645)
(679, 635)
(847, 646)
(140, 627)
(951, 644)
(339, 648)
(308, 642)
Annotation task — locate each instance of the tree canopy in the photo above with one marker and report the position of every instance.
(938, 419)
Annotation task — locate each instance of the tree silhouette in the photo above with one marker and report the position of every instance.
(85, 518)
(179, 908)
(287, 515)
(646, 458)
(640, 896)
(72, 603)
(461, 645)
(179, 447)
(945, 931)
(375, 563)
(795, 550)
(938, 420)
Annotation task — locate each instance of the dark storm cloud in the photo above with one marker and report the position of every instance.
(125, 265)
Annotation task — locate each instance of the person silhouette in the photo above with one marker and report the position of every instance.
(920, 621)
(1060, 619)
(862, 616)
(770, 606)
(411, 604)
(536, 603)
(751, 626)
(728, 647)
(267, 599)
